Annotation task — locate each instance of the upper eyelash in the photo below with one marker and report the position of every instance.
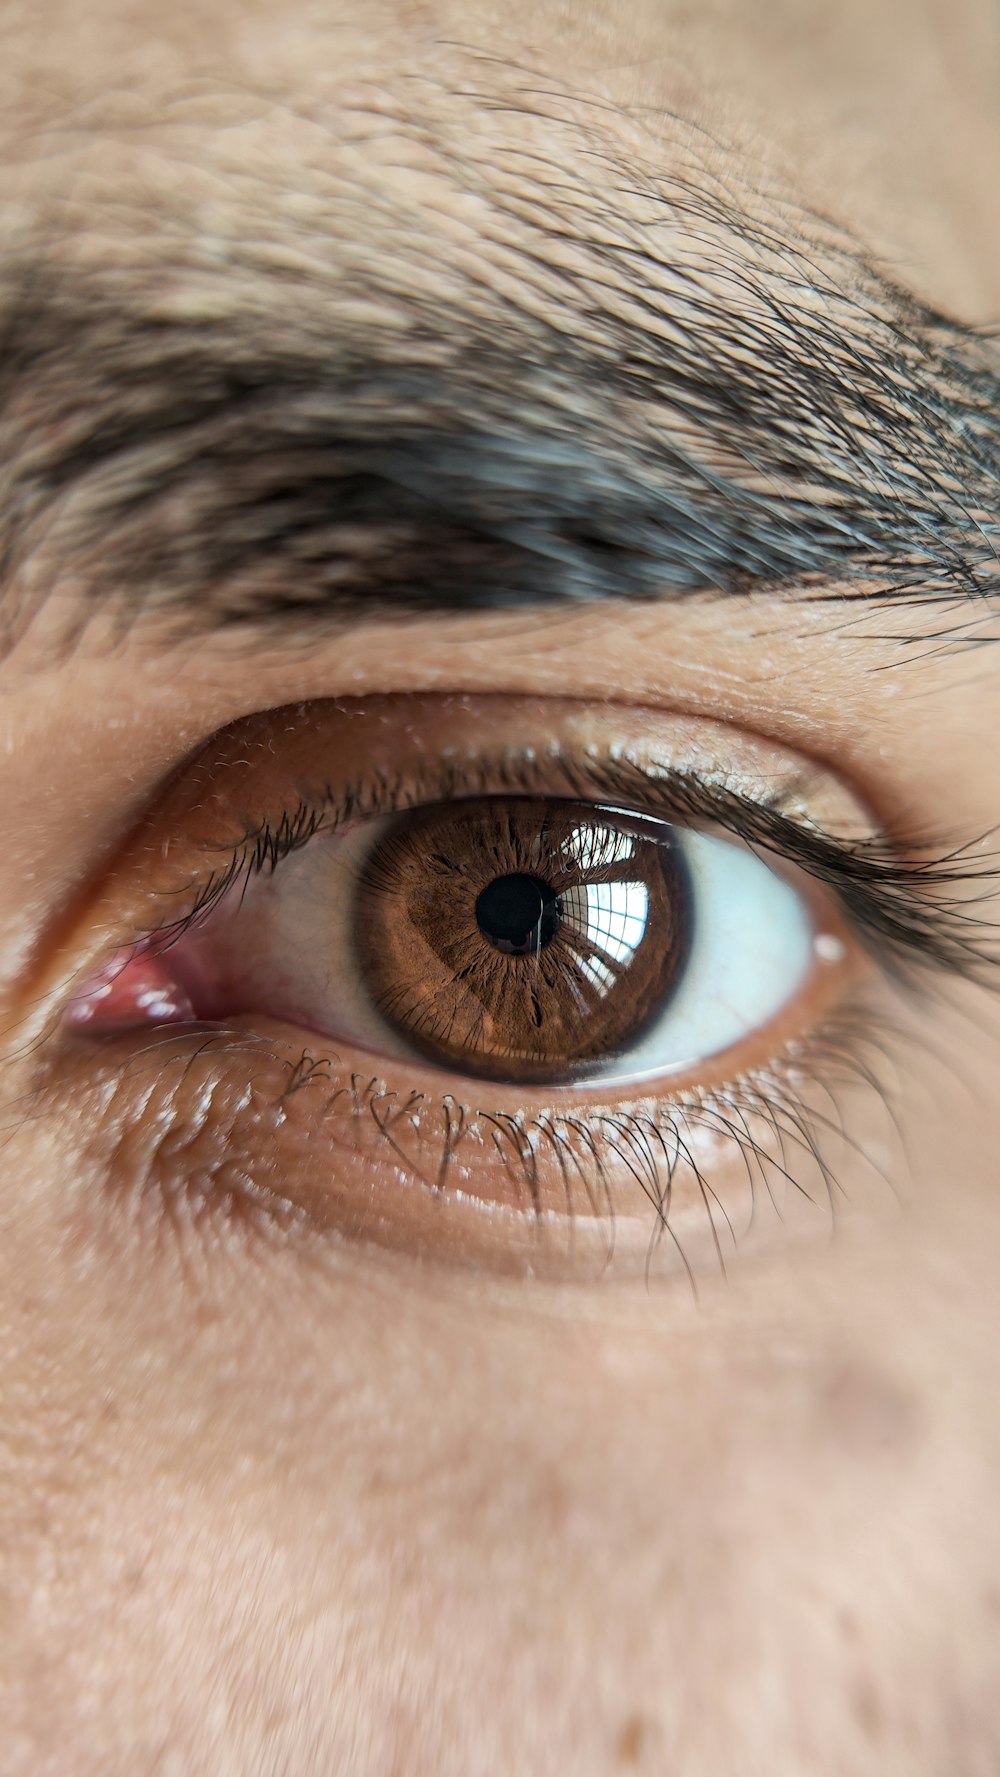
(906, 912)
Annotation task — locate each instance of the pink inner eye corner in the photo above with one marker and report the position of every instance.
(134, 988)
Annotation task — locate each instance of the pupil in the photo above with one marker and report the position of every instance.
(518, 914)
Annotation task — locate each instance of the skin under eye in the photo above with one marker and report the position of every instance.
(259, 1002)
(526, 940)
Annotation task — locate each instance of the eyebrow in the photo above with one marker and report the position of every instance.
(756, 408)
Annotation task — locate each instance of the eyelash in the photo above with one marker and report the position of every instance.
(911, 916)
(907, 914)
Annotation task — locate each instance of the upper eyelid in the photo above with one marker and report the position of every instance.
(904, 908)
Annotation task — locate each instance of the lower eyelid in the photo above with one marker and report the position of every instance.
(198, 1125)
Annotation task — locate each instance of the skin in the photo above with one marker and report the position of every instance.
(301, 1504)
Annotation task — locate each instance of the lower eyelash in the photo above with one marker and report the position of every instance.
(572, 1174)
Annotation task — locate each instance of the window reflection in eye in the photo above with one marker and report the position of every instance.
(409, 958)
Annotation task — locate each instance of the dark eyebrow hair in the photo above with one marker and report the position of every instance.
(739, 403)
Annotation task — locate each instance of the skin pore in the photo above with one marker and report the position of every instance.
(288, 1497)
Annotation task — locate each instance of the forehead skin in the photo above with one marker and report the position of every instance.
(430, 1528)
(886, 117)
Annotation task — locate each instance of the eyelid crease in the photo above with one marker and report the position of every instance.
(912, 909)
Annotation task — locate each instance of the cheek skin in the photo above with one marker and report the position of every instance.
(295, 1492)
(292, 1499)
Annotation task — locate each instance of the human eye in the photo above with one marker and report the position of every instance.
(516, 982)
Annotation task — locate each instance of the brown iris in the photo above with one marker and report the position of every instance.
(522, 938)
